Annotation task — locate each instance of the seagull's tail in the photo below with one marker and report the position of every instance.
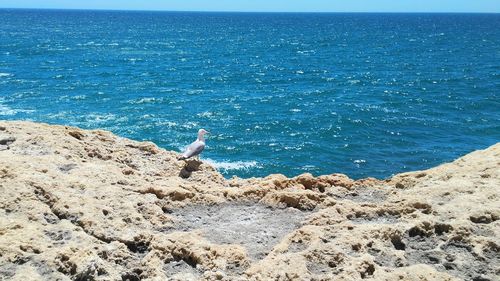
(181, 157)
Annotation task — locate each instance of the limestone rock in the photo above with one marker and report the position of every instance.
(88, 205)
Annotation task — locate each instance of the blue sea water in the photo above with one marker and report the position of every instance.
(360, 94)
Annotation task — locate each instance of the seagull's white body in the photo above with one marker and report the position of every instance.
(196, 147)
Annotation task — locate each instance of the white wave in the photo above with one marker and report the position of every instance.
(206, 114)
(190, 125)
(227, 166)
(6, 110)
(79, 97)
(4, 74)
(196, 92)
(169, 124)
(96, 119)
(143, 100)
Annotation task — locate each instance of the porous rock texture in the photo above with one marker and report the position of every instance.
(88, 205)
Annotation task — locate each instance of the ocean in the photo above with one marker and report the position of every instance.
(360, 94)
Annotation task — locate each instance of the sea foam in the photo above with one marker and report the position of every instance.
(8, 111)
(227, 166)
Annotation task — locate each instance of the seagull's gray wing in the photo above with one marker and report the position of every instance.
(194, 149)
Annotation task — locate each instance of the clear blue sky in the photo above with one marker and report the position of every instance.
(491, 6)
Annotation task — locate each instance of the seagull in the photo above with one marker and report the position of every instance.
(196, 147)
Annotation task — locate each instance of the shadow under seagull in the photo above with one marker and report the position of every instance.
(190, 166)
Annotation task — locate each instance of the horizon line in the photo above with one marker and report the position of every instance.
(250, 12)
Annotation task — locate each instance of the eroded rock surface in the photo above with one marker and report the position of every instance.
(88, 205)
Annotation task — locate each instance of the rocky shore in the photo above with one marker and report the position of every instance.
(89, 205)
